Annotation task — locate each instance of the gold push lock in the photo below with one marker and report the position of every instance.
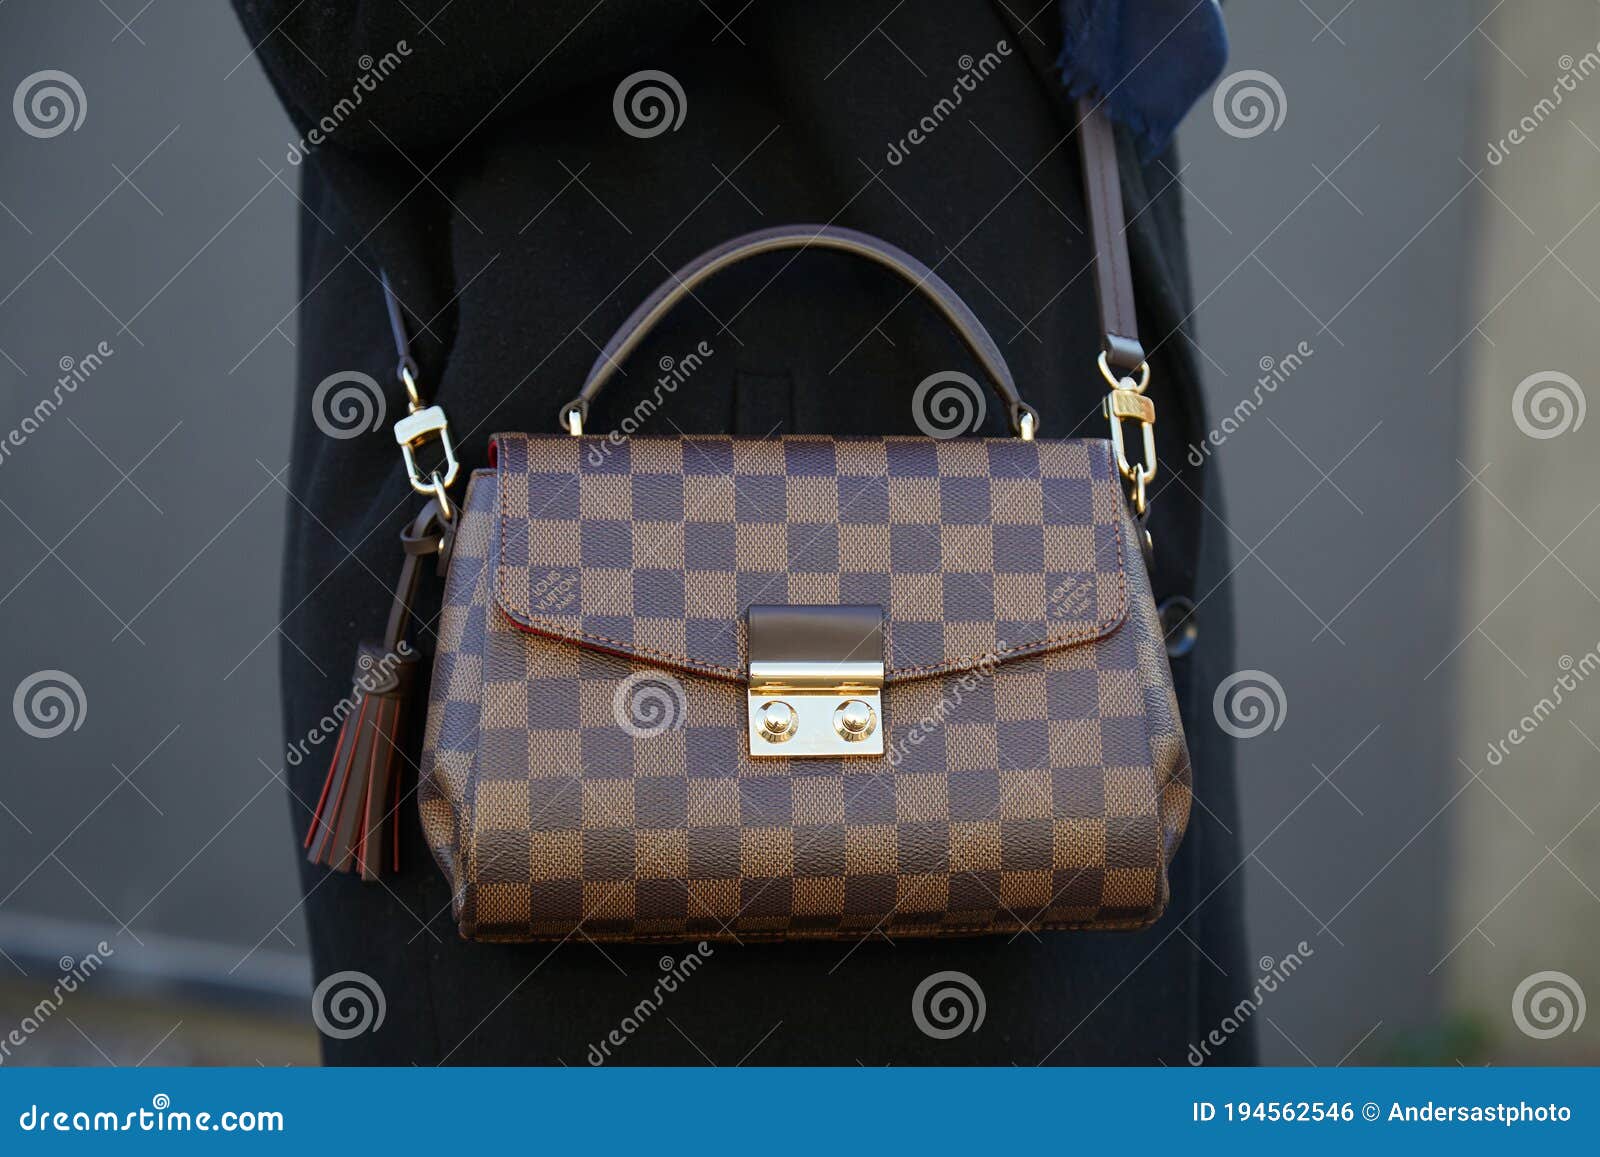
(816, 682)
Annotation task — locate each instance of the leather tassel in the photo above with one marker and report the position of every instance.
(354, 822)
(353, 828)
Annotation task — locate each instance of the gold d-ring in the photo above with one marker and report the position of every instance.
(1116, 383)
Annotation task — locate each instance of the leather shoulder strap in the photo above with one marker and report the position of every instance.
(1113, 273)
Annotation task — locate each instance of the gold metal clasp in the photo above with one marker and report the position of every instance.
(816, 682)
(1127, 403)
(417, 429)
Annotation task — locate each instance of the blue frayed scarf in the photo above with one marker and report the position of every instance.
(1149, 60)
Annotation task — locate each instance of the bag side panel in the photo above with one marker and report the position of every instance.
(451, 738)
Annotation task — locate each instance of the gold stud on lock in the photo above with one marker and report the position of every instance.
(778, 721)
(854, 720)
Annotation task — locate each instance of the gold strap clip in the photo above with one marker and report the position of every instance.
(1127, 403)
(422, 425)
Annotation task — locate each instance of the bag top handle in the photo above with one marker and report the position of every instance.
(1024, 419)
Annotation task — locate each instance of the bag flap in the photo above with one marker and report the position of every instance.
(978, 549)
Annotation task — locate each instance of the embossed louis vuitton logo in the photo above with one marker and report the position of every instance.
(1072, 597)
(554, 591)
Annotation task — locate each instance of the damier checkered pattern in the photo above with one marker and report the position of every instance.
(1041, 784)
(972, 546)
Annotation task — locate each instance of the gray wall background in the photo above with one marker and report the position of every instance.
(144, 518)
(143, 521)
(1347, 228)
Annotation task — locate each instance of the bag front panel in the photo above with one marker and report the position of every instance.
(568, 787)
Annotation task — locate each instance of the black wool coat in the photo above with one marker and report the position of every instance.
(482, 162)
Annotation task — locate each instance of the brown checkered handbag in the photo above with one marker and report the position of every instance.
(723, 687)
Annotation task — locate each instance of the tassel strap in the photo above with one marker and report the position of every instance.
(354, 819)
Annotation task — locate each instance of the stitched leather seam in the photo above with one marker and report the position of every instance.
(909, 931)
(549, 629)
